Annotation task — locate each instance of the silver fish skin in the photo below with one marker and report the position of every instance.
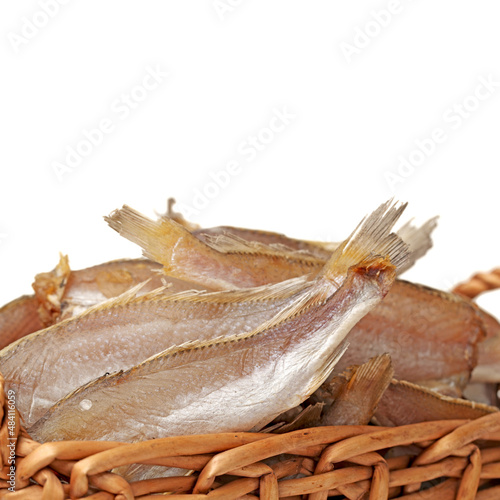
(244, 381)
(45, 366)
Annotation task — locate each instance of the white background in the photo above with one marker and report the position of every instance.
(359, 103)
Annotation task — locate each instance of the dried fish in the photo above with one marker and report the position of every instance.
(418, 239)
(245, 380)
(223, 258)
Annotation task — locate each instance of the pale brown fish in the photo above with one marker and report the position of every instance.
(225, 257)
(123, 331)
(418, 239)
(245, 380)
(406, 403)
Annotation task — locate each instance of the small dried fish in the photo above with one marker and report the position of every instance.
(245, 380)
(124, 331)
(406, 403)
(418, 239)
(225, 257)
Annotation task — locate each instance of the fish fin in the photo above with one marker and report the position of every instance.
(280, 290)
(374, 375)
(158, 239)
(358, 391)
(232, 244)
(407, 403)
(123, 299)
(328, 367)
(371, 239)
(418, 239)
(308, 417)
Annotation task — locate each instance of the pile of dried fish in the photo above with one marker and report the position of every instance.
(229, 329)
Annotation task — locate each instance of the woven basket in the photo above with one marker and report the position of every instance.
(432, 460)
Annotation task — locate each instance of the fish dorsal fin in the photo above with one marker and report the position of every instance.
(372, 238)
(232, 244)
(281, 290)
(425, 392)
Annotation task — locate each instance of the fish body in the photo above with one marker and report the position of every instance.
(430, 335)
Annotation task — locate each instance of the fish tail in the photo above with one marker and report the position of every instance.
(159, 239)
(418, 239)
(372, 244)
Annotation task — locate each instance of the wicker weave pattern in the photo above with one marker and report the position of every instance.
(342, 460)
